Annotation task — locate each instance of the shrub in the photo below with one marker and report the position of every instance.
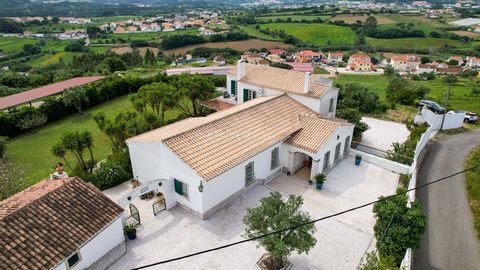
(109, 175)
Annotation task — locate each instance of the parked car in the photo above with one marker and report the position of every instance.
(470, 117)
(431, 105)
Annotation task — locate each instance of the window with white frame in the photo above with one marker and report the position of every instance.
(275, 161)
(249, 173)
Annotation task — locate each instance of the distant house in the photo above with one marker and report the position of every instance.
(360, 63)
(307, 56)
(302, 67)
(457, 58)
(449, 70)
(405, 62)
(201, 60)
(73, 34)
(425, 68)
(60, 224)
(276, 52)
(251, 58)
(119, 30)
(473, 62)
(335, 57)
(219, 60)
(132, 29)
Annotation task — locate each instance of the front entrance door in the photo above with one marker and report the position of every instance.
(326, 160)
(337, 152)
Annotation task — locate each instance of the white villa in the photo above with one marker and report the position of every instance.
(283, 122)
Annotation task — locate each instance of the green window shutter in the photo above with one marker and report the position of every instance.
(233, 87)
(178, 186)
(274, 162)
(245, 95)
(254, 94)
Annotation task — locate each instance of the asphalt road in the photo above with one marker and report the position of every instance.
(450, 240)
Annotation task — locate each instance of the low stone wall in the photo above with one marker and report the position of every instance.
(381, 162)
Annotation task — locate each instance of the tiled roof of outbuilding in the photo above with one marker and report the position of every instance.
(45, 223)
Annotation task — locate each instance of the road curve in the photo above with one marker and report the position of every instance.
(450, 240)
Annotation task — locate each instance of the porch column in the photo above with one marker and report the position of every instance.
(314, 170)
(291, 157)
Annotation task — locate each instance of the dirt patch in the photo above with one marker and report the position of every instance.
(126, 49)
(350, 18)
(242, 45)
(467, 34)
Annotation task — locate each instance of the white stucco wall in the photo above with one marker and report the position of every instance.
(311, 103)
(154, 160)
(325, 103)
(228, 183)
(110, 237)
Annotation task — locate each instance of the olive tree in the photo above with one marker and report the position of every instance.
(76, 97)
(275, 214)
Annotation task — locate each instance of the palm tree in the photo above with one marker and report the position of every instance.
(70, 141)
(86, 141)
(59, 151)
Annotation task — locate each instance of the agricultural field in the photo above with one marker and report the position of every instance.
(413, 43)
(14, 44)
(420, 22)
(149, 36)
(32, 150)
(252, 31)
(126, 49)
(242, 45)
(48, 58)
(54, 27)
(293, 17)
(460, 98)
(316, 33)
(467, 34)
(351, 18)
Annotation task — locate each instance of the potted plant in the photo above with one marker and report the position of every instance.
(320, 178)
(159, 196)
(358, 159)
(134, 183)
(130, 231)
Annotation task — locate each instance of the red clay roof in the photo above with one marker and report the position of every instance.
(217, 105)
(276, 51)
(44, 91)
(47, 222)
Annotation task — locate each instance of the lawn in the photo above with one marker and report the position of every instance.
(48, 59)
(32, 151)
(54, 27)
(250, 29)
(318, 34)
(14, 44)
(413, 43)
(460, 98)
(473, 187)
(149, 36)
(350, 18)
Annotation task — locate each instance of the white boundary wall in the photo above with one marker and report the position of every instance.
(417, 158)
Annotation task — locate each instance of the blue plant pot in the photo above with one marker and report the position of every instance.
(358, 161)
(132, 236)
(319, 186)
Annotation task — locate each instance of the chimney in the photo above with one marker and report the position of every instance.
(306, 84)
(240, 69)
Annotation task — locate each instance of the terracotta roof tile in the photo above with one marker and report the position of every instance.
(216, 143)
(43, 224)
(314, 132)
(288, 81)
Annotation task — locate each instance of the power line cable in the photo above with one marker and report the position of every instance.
(306, 223)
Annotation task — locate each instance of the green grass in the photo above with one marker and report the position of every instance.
(473, 187)
(48, 59)
(319, 70)
(149, 36)
(413, 43)
(460, 98)
(250, 29)
(14, 44)
(316, 33)
(419, 22)
(32, 151)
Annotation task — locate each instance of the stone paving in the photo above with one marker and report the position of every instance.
(341, 240)
(382, 134)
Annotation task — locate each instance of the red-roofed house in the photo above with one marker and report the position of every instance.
(307, 56)
(405, 62)
(251, 58)
(360, 62)
(60, 224)
(457, 58)
(473, 62)
(335, 57)
(277, 51)
(302, 67)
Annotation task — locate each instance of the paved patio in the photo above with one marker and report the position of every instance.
(382, 134)
(341, 241)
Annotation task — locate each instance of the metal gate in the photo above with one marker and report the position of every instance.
(134, 215)
(159, 206)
